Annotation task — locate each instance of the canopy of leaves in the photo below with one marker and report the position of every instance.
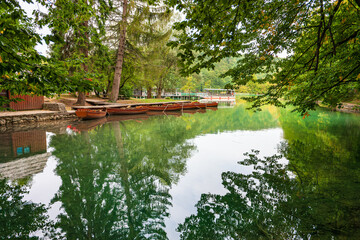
(22, 69)
(77, 40)
(320, 39)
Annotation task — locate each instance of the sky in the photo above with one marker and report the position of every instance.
(29, 8)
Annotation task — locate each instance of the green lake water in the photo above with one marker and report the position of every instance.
(226, 173)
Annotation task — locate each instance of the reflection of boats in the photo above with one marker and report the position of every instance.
(158, 113)
(116, 118)
(193, 111)
(165, 107)
(87, 125)
(173, 113)
(127, 111)
(90, 114)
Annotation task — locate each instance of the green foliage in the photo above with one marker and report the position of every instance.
(77, 41)
(19, 218)
(319, 37)
(22, 69)
(126, 91)
(189, 85)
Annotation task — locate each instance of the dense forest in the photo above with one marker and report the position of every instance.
(298, 53)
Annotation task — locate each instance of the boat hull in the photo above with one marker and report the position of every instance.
(126, 111)
(175, 107)
(212, 104)
(195, 105)
(88, 114)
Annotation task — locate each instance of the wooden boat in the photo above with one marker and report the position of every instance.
(165, 107)
(127, 111)
(90, 114)
(193, 105)
(212, 104)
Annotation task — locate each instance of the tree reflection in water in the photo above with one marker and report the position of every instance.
(20, 219)
(115, 182)
(279, 201)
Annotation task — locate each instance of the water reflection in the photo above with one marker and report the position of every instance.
(22, 154)
(118, 174)
(21, 144)
(20, 219)
(314, 196)
(116, 178)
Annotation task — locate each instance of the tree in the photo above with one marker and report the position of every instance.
(153, 34)
(319, 37)
(120, 54)
(167, 61)
(22, 69)
(189, 85)
(135, 32)
(77, 33)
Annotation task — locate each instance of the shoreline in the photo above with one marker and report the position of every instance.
(22, 118)
(348, 108)
(60, 111)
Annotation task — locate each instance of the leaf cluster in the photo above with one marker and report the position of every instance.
(319, 40)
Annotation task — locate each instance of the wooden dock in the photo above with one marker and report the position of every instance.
(102, 104)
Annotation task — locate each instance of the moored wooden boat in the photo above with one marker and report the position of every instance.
(212, 104)
(165, 107)
(90, 114)
(127, 111)
(193, 105)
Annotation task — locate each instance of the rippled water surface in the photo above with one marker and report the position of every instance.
(224, 173)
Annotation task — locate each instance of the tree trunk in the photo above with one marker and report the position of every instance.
(81, 100)
(159, 90)
(120, 56)
(84, 50)
(149, 92)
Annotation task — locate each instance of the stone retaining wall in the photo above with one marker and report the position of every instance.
(36, 117)
(349, 108)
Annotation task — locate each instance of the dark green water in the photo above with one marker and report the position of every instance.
(225, 174)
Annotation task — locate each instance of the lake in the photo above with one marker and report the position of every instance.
(225, 173)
